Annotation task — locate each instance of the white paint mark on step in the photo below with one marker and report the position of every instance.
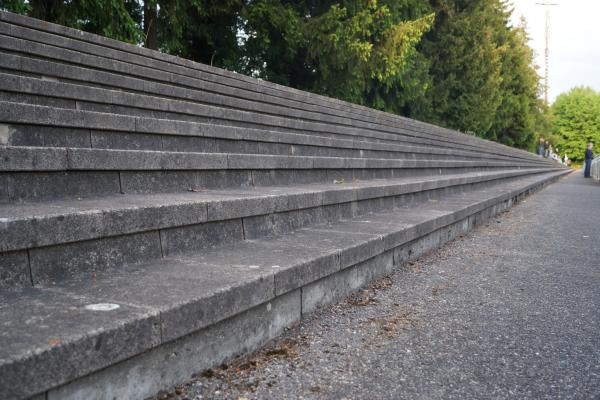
(4, 134)
(102, 307)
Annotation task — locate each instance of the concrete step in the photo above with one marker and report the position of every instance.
(98, 45)
(299, 120)
(55, 241)
(93, 44)
(147, 327)
(25, 125)
(280, 95)
(134, 104)
(38, 173)
(36, 159)
(209, 93)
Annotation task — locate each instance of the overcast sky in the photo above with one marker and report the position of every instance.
(574, 41)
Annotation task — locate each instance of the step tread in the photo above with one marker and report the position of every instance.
(188, 106)
(23, 113)
(115, 72)
(30, 158)
(94, 44)
(62, 221)
(119, 50)
(163, 300)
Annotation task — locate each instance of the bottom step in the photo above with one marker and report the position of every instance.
(151, 326)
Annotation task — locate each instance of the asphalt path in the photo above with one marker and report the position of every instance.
(509, 311)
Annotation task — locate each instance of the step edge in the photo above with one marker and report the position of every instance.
(436, 223)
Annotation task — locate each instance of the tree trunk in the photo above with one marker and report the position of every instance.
(44, 10)
(150, 24)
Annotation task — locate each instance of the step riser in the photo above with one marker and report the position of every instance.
(159, 61)
(71, 97)
(210, 118)
(87, 259)
(255, 115)
(301, 119)
(174, 362)
(280, 95)
(47, 136)
(41, 186)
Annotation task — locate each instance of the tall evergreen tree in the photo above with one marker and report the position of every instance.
(515, 118)
(465, 66)
(117, 19)
(361, 51)
(201, 30)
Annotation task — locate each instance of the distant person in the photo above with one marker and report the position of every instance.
(566, 159)
(589, 156)
(540, 148)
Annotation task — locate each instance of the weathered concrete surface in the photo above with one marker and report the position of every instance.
(28, 225)
(236, 84)
(510, 311)
(139, 376)
(83, 54)
(48, 117)
(55, 318)
(36, 159)
(196, 290)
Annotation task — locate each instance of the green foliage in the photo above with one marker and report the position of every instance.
(16, 6)
(576, 120)
(360, 51)
(274, 46)
(465, 68)
(483, 79)
(117, 19)
(355, 55)
(201, 30)
(519, 110)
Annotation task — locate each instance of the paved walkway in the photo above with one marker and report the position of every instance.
(510, 311)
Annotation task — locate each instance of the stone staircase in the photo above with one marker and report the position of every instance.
(158, 216)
